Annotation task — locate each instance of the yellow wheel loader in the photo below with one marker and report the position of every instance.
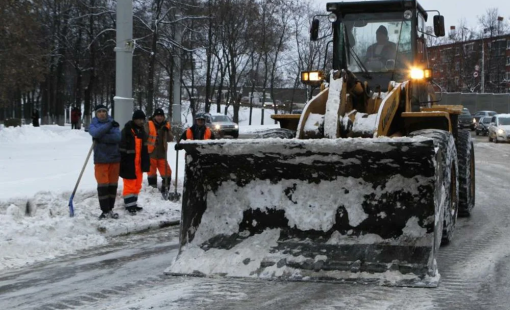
(365, 192)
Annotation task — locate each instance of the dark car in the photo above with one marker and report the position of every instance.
(222, 125)
(483, 113)
(466, 120)
(482, 127)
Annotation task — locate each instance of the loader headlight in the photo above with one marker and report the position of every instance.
(313, 78)
(236, 126)
(501, 132)
(420, 74)
(217, 127)
(332, 17)
(474, 120)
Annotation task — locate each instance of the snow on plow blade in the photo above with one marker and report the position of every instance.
(342, 210)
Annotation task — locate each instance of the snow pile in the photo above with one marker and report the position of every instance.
(313, 123)
(242, 260)
(43, 134)
(365, 124)
(42, 229)
(41, 165)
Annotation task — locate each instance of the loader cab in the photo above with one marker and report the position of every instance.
(379, 41)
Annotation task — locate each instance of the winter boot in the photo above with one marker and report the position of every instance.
(137, 208)
(165, 184)
(153, 181)
(131, 210)
(109, 214)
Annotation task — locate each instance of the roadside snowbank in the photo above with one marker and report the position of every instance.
(39, 169)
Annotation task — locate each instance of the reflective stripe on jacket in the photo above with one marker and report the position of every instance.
(153, 134)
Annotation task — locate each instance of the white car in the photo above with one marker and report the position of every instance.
(499, 128)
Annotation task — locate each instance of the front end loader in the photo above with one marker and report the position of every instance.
(366, 192)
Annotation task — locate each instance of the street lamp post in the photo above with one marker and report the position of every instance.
(482, 88)
(123, 99)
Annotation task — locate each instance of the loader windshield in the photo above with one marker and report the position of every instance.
(377, 42)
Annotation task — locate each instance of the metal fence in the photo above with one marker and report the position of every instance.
(478, 102)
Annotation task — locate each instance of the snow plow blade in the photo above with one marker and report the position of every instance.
(340, 210)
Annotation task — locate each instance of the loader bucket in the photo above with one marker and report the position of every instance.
(342, 210)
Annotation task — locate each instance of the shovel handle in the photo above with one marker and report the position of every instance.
(176, 169)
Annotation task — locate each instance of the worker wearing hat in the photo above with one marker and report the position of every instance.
(106, 135)
(159, 132)
(134, 160)
(383, 50)
(199, 131)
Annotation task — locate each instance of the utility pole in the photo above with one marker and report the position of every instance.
(176, 74)
(123, 99)
(483, 66)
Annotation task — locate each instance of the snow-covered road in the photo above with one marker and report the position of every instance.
(128, 274)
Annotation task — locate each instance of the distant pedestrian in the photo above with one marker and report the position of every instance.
(106, 135)
(196, 132)
(159, 132)
(75, 118)
(135, 160)
(35, 118)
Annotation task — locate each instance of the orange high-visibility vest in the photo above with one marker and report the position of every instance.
(153, 134)
(207, 134)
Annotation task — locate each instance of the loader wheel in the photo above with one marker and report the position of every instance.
(466, 161)
(447, 178)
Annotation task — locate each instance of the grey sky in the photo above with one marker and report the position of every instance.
(455, 10)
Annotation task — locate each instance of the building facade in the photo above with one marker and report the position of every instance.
(476, 66)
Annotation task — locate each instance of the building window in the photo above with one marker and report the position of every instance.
(507, 60)
(456, 81)
(457, 66)
(457, 50)
(508, 44)
(469, 48)
(445, 55)
(507, 76)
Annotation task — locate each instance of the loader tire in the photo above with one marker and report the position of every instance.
(466, 161)
(447, 178)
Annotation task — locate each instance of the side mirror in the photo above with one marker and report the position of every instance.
(439, 25)
(314, 30)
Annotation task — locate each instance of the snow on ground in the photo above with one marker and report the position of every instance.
(39, 169)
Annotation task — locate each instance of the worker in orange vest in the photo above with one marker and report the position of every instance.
(134, 160)
(196, 132)
(159, 135)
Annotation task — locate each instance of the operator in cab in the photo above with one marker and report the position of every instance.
(381, 55)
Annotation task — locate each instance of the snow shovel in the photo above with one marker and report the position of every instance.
(175, 196)
(71, 206)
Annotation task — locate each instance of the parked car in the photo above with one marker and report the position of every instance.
(482, 127)
(499, 128)
(466, 120)
(222, 125)
(483, 113)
